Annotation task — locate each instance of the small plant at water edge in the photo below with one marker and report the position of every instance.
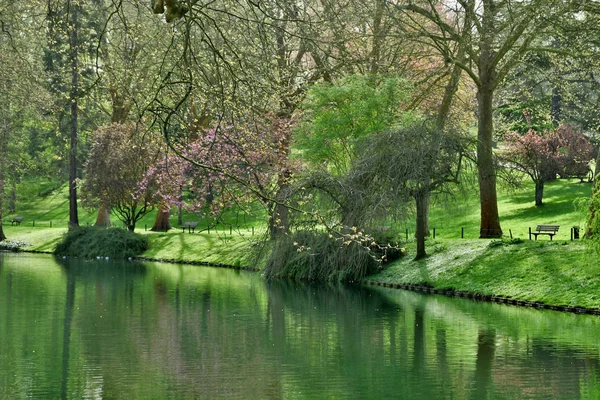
(11, 245)
(94, 242)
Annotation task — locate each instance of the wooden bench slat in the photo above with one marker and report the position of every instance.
(191, 226)
(544, 229)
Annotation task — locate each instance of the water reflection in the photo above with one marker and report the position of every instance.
(103, 330)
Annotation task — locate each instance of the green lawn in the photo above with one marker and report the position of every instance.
(558, 272)
(518, 212)
(46, 215)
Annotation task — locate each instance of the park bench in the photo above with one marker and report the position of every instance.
(191, 226)
(549, 230)
(16, 220)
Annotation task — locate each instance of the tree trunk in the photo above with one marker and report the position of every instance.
(421, 202)
(103, 218)
(556, 110)
(12, 202)
(539, 192)
(162, 223)
(590, 224)
(279, 220)
(597, 167)
(2, 236)
(426, 204)
(73, 216)
(3, 156)
(490, 220)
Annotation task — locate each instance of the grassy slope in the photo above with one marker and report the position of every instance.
(561, 272)
(52, 206)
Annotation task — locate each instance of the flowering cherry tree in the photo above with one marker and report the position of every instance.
(543, 155)
(232, 162)
(128, 171)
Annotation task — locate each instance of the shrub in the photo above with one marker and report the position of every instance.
(319, 257)
(12, 245)
(93, 242)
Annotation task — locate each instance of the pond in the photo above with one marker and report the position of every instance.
(104, 330)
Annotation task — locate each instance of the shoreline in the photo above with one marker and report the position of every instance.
(397, 282)
(479, 297)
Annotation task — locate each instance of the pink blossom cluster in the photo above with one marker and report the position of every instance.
(226, 164)
(543, 155)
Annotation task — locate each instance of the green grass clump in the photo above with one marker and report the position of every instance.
(93, 242)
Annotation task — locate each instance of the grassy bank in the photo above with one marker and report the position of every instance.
(218, 247)
(560, 272)
(554, 273)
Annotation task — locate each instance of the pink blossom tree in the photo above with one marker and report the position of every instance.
(128, 170)
(235, 162)
(543, 155)
(575, 153)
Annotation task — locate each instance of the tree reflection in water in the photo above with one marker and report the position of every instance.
(172, 331)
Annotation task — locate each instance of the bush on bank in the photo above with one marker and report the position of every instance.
(93, 242)
(315, 256)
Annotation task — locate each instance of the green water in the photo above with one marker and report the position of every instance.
(100, 330)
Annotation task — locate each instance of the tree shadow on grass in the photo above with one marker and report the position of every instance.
(542, 270)
(560, 190)
(545, 213)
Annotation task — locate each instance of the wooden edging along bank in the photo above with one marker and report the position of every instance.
(483, 297)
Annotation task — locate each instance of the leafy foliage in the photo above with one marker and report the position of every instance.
(337, 115)
(544, 155)
(93, 242)
(235, 162)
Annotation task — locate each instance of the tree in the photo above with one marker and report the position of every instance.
(235, 163)
(411, 162)
(123, 170)
(337, 115)
(495, 35)
(543, 155)
(129, 45)
(19, 78)
(74, 43)
(72, 30)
